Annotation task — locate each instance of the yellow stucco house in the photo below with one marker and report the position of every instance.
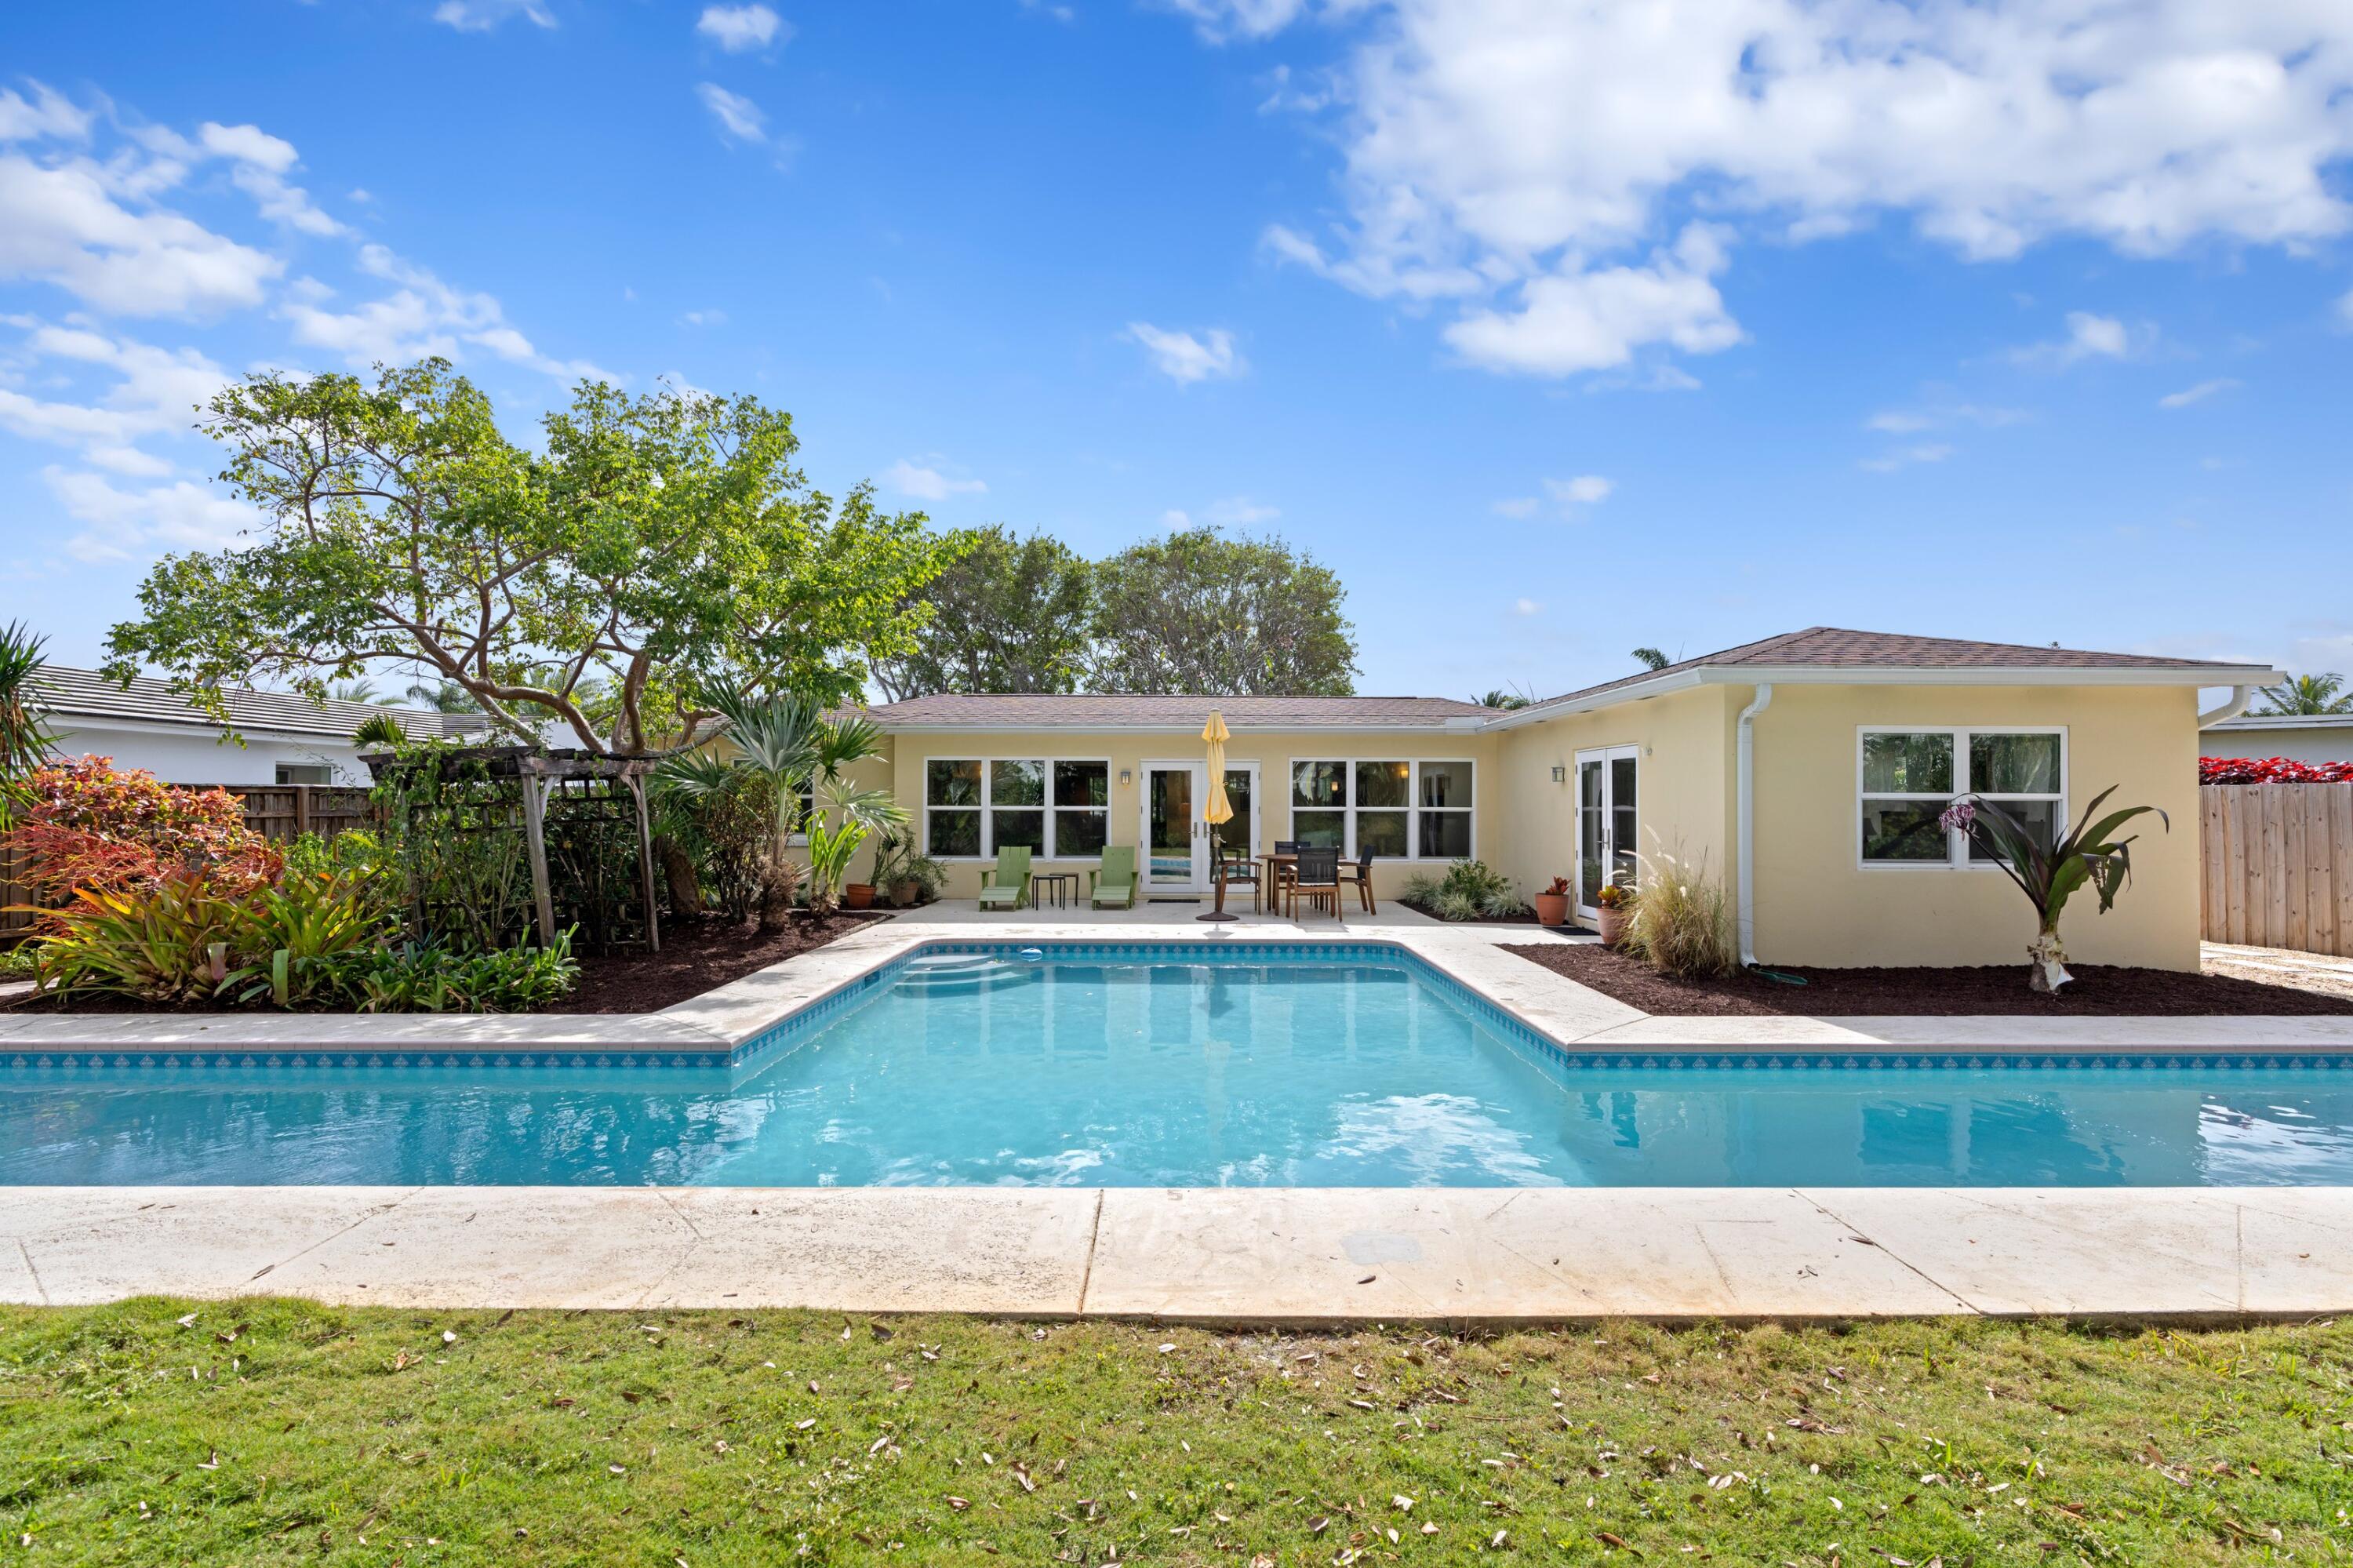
(1806, 771)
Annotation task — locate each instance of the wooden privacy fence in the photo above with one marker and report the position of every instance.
(2279, 865)
(276, 811)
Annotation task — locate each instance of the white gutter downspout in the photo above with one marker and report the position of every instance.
(2239, 697)
(1746, 787)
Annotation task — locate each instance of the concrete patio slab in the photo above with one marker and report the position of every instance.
(1210, 1255)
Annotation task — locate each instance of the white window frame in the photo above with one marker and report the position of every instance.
(988, 809)
(1413, 808)
(1957, 845)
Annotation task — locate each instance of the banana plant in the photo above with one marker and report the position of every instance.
(2049, 877)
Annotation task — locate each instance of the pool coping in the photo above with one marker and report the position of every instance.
(1293, 1256)
(1572, 1021)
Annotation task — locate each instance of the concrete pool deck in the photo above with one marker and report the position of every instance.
(1274, 1256)
(1572, 1015)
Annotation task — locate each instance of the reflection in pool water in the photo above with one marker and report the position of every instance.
(1086, 1074)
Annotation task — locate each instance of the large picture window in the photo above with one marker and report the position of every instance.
(973, 807)
(1908, 775)
(1389, 809)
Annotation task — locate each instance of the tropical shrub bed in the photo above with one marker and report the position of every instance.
(161, 895)
(2271, 770)
(1466, 890)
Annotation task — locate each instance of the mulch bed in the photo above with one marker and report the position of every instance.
(1527, 917)
(697, 955)
(2000, 989)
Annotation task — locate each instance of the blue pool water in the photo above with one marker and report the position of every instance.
(1368, 1069)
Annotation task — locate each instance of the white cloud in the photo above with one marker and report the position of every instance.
(739, 118)
(2198, 394)
(1185, 358)
(48, 115)
(1503, 147)
(481, 15)
(155, 391)
(737, 28)
(124, 525)
(2345, 308)
(1240, 512)
(1585, 489)
(61, 225)
(929, 483)
(1176, 518)
(422, 316)
(1525, 606)
(702, 318)
(1574, 320)
(1941, 416)
(2088, 336)
(1904, 458)
(1517, 506)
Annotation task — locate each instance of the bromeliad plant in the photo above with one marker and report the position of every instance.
(2050, 876)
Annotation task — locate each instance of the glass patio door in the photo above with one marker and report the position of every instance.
(1607, 821)
(1176, 841)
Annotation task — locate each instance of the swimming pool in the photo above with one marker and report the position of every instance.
(1175, 1065)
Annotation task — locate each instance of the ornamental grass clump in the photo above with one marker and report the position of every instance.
(1469, 889)
(1679, 920)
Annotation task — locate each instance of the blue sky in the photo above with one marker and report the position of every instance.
(1552, 333)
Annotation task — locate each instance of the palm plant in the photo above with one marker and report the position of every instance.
(1500, 698)
(2050, 876)
(379, 732)
(2305, 694)
(1650, 658)
(24, 740)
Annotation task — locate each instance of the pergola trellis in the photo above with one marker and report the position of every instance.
(571, 807)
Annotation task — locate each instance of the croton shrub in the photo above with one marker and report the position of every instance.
(2271, 770)
(85, 825)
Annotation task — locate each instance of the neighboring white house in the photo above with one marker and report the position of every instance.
(2302, 737)
(282, 737)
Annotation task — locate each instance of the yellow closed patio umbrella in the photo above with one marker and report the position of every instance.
(1215, 809)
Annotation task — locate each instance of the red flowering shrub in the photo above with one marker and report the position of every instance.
(85, 825)
(2271, 770)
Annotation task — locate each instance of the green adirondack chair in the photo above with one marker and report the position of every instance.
(1006, 884)
(1111, 885)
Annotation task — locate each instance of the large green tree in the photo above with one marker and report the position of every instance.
(658, 544)
(1009, 614)
(1201, 611)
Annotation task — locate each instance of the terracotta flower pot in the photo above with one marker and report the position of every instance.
(1613, 926)
(905, 895)
(858, 896)
(1552, 908)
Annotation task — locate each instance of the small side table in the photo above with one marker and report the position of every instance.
(1062, 884)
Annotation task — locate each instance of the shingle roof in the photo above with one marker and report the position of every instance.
(86, 695)
(1116, 711)
(1832, 647)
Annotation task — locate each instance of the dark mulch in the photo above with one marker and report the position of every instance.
(697, 955)
(1998, 990)
(1527, 917)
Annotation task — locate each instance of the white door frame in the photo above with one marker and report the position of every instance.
(1603, 756)
(1258, 798)
(1197, 879)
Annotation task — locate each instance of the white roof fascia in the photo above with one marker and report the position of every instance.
(1041, 726)
(2286, 721)
(1893, 675)
(83, 722)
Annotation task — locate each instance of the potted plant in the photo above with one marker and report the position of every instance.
(1552, 904)
(1614, 901)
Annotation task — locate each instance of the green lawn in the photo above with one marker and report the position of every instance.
(282, 1431)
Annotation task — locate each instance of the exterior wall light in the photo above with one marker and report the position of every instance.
(1559, 773)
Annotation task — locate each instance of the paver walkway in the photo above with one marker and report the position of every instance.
(1270, 1254)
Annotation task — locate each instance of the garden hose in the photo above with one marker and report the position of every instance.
(1777, 976)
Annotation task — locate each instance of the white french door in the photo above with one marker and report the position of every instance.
(1177, 842)
(1175, 852)
(1608, 797)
